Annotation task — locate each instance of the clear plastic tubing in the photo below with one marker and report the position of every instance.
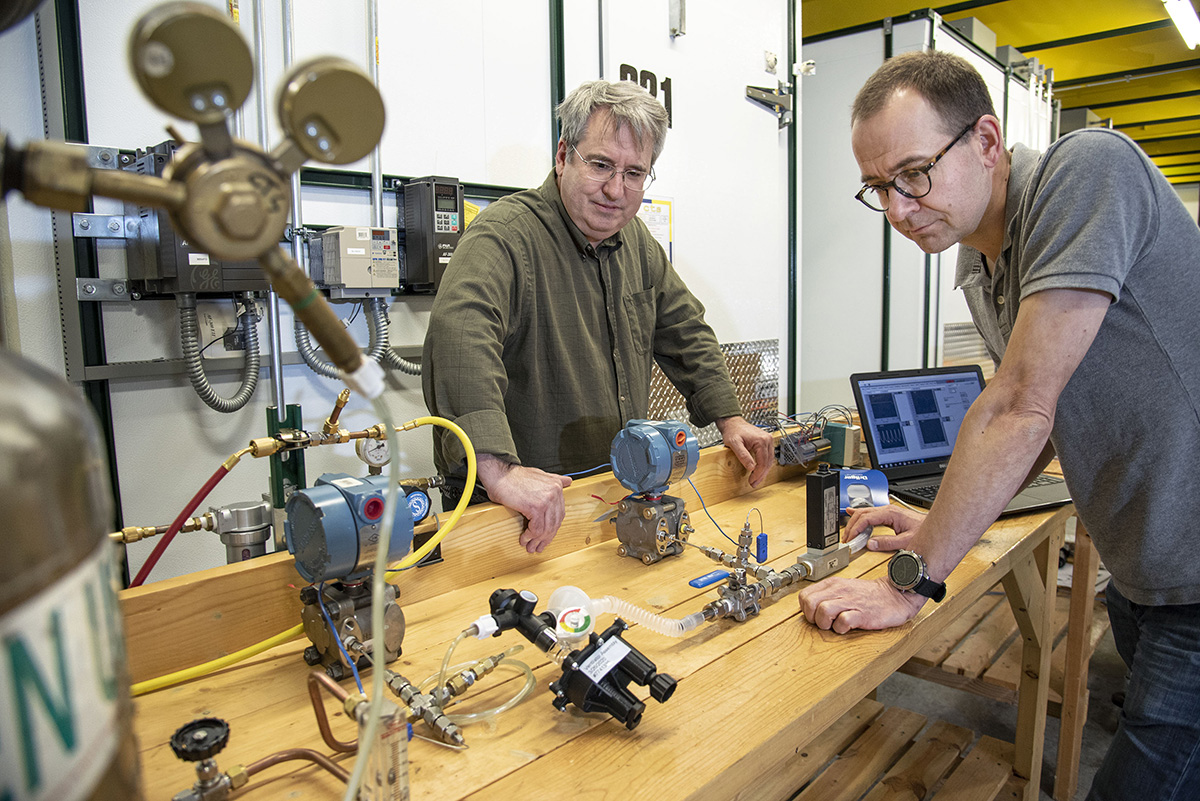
(567, 602)
(860, 542)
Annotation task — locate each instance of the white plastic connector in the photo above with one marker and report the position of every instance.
(485, 627)
(367, 380)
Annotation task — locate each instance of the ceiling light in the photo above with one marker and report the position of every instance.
(1185, 19)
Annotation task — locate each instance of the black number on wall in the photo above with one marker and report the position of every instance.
(650, 82)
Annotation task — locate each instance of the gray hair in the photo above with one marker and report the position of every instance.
(629, 104)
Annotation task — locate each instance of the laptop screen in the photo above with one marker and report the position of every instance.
(911, 418)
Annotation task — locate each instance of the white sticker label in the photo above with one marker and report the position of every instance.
(605, 658)
(362, 233)
(356, 251)
(346, 482)
(59, 681)
(198, 259)
(443, 259)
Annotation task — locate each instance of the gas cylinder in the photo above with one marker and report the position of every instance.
(66, 718)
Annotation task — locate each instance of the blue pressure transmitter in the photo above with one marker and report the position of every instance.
(332, 529)
(647, 457)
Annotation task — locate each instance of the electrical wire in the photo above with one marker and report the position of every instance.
(196, 500)
(589, 470)
(704, 506)
(336, 637)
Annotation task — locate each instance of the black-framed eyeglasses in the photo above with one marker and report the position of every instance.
(602, 172)
(913, 183)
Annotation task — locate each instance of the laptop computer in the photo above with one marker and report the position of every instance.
(911, 418)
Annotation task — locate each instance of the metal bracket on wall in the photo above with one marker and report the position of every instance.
(778, 101)
(100, 289)
(98, 226)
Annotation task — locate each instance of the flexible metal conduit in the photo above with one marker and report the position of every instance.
(189, 336)
(377, 326)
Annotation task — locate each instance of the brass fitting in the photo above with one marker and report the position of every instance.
(238, 776)
(351, 703)
(265, 446)
(331, 425)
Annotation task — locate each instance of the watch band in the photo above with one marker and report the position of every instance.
(934, 590)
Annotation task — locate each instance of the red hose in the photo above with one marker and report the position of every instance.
(178, 524)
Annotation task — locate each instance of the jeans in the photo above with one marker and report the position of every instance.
(1155, 754)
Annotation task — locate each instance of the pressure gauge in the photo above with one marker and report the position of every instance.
(372, 451)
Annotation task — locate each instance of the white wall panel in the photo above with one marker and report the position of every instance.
(725, 161)
(842, 244)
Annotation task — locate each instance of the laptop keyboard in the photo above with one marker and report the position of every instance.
(930, 491)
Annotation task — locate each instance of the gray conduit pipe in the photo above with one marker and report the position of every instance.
(189, 336)
(377, 327)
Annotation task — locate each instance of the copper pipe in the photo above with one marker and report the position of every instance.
(316, 680)
(298, 753)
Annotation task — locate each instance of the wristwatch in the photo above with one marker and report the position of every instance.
(906, 571)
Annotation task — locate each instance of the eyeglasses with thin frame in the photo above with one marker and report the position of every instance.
(602, 172)
(913, 183)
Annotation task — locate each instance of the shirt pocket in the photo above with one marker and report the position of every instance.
(641, 313)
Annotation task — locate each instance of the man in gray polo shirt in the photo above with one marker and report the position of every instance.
(1081, 268)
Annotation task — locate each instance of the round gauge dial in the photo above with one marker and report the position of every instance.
(372, 451)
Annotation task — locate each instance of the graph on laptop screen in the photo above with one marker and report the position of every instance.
(915, 419)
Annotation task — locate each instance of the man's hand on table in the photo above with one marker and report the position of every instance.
(753, 447)
(536, 494)
(842, 604)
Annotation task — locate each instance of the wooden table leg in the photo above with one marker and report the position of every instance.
(1075, 675)
(1030, 588)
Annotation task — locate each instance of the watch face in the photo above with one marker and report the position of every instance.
(904, 570)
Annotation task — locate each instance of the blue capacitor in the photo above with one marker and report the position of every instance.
(709, 578)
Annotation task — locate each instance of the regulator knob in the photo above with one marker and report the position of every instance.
(201, 739)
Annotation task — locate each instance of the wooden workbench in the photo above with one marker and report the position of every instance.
(751, 695)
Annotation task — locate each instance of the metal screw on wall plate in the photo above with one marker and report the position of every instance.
(84, 225)
(105, 156)
(89, 289)
(118, 289)
(114, 225)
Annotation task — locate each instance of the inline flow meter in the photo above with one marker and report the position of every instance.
(648, 456)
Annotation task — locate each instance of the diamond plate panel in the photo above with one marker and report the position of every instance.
(754, 368)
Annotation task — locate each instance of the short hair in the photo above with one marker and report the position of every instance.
(949, 83)
(629, 104)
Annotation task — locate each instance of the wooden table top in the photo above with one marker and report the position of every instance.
(750, 695)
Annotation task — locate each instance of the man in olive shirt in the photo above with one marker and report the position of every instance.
(547, 320)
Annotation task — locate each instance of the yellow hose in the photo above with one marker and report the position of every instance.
(151, 685)
(463, 502)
